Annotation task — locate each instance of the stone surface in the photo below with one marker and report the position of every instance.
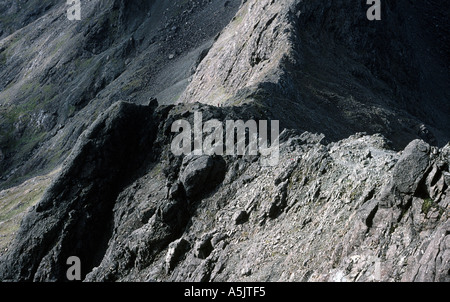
(409, 170)
(327, 212)
(76, 70)
(174, 253)
(360, 193)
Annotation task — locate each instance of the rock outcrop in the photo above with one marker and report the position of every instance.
(361, 189)
(57, 75)
(321, 66)
(352, 210)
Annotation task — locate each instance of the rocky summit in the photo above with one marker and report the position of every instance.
(359, 185)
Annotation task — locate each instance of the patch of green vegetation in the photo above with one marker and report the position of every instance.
(71, 110)
(49, 93)
(25, 143)
(22, 146)
(427, 205)
(35, 97)
(258, 104)
(180, 6)
(157, 170)
(176, 97)
(12, 45)
(293, 180)
(57, 47)
(20, 203)
(28, 88)
(81, 64)
(28, 141)
(113, 17)
(9, 115)
(3, 58)
(15, 201)
(238, 103)
(7, 18)
(132, 85)
(238, 20)
(356, 193)
(219, 95)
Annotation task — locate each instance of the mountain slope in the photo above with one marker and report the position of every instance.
(323, 67)
(361, 190)
(346, 211)
(56, 75)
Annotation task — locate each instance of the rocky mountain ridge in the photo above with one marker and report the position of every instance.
(361, 191)
(346, 211)
(57, 75)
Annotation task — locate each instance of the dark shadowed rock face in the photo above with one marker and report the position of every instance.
(107, 156)
(56, 75)
(199, 173)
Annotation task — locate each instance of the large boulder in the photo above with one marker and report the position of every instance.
(201, 173)
(410, 168)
